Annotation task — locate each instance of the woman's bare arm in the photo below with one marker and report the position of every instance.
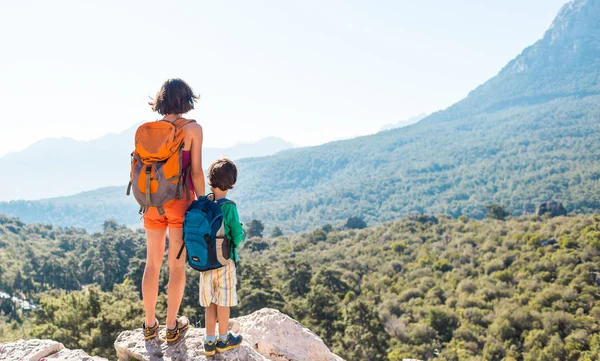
(197, 172)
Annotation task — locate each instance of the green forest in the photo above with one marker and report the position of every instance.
(524, 288)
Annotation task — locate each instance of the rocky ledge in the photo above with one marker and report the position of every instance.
(268, 335)
(42, 350)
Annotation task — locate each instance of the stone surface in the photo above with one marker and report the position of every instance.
(131, 345)
(42, 350)
(30, 350)
(281, 338)
(268, 335)
(73, 355)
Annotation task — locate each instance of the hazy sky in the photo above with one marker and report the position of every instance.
(309, 71)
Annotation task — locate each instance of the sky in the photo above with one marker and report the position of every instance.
(308, 71)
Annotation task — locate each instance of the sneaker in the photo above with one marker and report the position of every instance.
(182, 324)
(230, 342)
(150, 332)
(209, 347)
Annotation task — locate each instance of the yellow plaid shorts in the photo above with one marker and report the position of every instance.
(218, 286)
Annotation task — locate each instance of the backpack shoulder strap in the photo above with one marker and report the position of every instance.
(182, 122)
(221, 203)
(179, 122)
(225, 201)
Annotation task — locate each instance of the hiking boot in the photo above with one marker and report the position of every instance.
(150, 332)
(230, 342)
(209, 347)
(182, 324)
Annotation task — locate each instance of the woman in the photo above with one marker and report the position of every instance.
(174, 99)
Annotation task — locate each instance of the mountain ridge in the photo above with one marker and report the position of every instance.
(88, 165)
(569, 47)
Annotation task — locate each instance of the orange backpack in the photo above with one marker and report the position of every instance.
(157, 175)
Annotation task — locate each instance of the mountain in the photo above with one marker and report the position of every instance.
(530, 134)
(63, 166)
(404, 123)
(563, 64)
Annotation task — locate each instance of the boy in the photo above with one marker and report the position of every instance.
(217, 287)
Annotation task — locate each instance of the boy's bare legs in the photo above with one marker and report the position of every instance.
(211, 319)
(155, 249)
(176, 276)
(223, 316)
(226, 341)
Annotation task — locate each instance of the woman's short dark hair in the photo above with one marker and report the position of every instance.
(222, 174)
(174, 97)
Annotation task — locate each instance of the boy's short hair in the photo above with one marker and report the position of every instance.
(222, 174)
(174, 97)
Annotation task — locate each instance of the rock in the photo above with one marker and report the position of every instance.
(548, 242)
(38, 350)
(73, 355)
(268, 335)
(281, 338)
(552, 208)
(130, 345)
(31, 350)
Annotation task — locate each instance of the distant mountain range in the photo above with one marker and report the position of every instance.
(56, 167)
(404, 123)
(530, 134)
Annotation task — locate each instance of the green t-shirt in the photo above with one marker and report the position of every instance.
(233, 228)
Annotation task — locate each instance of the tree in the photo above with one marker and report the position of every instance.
(296, 276)
(255, 229)
(364, 335)
(318, 235)
(323, 313)
(111, 226)
(256, 244)
(551, 208)
(327, 228)
(444, 322)
(496, 211)
(256, 289)
(276, 232)
(331, 279)
(355, 223)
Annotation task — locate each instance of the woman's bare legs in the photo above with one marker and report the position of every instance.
(176, 276)
(155, 249)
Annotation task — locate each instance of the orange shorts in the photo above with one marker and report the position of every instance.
(173, 217)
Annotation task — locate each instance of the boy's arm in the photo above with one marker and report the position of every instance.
(232, 220)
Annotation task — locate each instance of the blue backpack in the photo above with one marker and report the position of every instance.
(203, 235)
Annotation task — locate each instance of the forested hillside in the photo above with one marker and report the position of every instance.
(430, 288)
